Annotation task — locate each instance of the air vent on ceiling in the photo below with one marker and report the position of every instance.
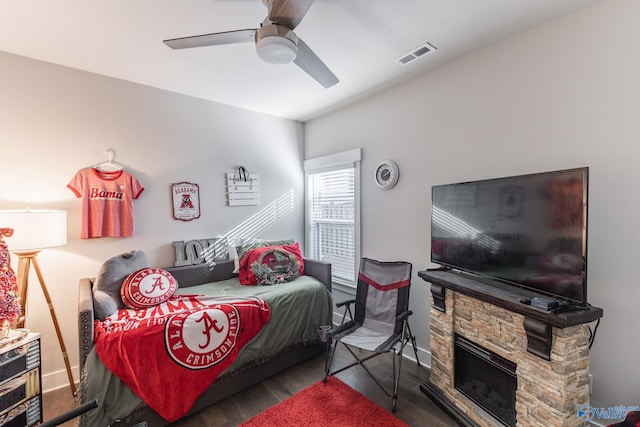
(415, 54)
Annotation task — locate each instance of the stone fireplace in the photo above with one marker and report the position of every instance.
(549, 353)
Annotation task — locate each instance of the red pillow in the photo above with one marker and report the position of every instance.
(147, 287)
(270, 265)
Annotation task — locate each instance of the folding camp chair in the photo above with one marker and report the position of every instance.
(381, 321)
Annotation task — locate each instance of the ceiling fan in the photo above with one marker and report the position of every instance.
(275, 40)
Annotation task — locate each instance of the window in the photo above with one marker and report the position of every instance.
(332, 213)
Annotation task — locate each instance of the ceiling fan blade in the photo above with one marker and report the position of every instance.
(226, 37)
(312, 65)
(288, 13)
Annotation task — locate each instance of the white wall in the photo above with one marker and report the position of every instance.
(55, 120)
(560, 96)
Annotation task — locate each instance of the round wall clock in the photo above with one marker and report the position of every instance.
(387, 174)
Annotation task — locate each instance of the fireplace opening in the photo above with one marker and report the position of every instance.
(487, 379)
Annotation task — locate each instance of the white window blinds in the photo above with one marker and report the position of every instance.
(332, 219)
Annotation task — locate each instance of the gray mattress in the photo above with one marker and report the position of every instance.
(298, 308)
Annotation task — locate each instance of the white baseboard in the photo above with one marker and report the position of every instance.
(56, 380)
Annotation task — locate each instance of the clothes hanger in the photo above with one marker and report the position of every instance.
(109, 165)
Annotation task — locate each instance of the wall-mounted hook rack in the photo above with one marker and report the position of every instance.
(243, 188)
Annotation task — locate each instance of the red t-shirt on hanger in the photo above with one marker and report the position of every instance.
(107, 202)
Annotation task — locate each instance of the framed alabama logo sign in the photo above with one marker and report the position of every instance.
(186, 201)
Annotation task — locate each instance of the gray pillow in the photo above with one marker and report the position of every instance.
(106, 288)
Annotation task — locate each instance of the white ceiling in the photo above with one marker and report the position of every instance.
(359, 40)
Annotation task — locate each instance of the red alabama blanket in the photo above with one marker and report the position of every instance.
(170, 353)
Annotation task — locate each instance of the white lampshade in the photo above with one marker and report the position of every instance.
(34, 229)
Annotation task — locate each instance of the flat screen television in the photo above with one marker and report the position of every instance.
(529, 231)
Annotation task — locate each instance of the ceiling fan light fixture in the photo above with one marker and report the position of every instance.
(276, 50)
(276, 44)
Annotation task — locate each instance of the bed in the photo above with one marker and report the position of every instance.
(280, 343)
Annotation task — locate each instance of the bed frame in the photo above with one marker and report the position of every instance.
(226, 385)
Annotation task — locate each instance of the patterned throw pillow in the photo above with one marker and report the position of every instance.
(147, 287)
(246, 244)
(250, 244)
(270, 265)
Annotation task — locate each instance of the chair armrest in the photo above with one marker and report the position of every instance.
(404, 315)
(341, 303)
(347, 309)
(85, 319)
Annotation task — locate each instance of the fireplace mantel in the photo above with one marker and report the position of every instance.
(505, 296)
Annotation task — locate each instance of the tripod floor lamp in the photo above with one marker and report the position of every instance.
(35, 230)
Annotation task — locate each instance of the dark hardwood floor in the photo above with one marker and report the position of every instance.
(413, 407)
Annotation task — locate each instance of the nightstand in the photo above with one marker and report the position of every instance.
(20, 379)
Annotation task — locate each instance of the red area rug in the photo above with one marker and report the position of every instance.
(330, 404)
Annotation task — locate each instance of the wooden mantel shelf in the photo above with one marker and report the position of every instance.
(505, 296)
